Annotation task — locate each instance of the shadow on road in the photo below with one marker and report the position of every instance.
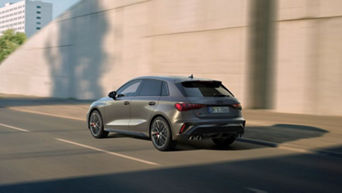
(293, 173)
(277, 133)
(209, 145)
(282, 133)
(190, 145)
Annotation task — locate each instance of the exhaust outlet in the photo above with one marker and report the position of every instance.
(197, 137)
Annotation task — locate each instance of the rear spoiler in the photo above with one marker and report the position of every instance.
(215, 82)
(198, 80)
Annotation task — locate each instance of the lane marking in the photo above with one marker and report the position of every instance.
(15, 128)
(47, 114)
(108, 152)
(286, 147)
(258, 123)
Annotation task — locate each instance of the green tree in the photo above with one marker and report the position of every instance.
(9, 41)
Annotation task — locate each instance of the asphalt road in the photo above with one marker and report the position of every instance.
(48, 154)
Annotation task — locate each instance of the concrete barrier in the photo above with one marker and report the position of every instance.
(96, 46)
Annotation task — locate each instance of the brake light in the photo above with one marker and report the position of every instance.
(187, 106)
(237, 106)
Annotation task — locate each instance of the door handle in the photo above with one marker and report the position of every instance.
(126, 103)
(151, 103)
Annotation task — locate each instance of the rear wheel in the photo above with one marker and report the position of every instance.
(95, 125)
(224, 142)
(160, 133)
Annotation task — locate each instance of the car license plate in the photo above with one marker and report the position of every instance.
(218, 109)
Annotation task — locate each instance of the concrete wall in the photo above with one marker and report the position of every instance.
(309, 60)
(98, 45)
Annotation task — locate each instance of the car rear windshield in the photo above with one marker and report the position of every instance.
(204, 89)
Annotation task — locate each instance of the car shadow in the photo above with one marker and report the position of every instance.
(207, 144)
(283, 133)
(271, 135)
(261, 136)
(120, 135)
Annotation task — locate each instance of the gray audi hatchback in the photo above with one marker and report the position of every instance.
(167, 109)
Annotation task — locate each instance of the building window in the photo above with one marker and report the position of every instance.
(38, 23)
(38, 12)
(37, 28)
(38, 17)
(38, 6)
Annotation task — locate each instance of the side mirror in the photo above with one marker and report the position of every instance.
(112, 95)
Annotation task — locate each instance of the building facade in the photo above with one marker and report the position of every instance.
(25, 16)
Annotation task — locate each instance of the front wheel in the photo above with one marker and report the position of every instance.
(160, 133)
(95, 125)
(224, 142)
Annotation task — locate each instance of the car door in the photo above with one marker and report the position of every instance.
(144, 104)
(118, 112)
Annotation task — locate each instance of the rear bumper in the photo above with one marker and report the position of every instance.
(213, 129)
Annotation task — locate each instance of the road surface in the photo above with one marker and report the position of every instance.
(40, 153)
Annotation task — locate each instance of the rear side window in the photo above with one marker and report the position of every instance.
(204, 89)
(151, 88)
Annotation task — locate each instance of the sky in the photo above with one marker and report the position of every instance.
(59, 6)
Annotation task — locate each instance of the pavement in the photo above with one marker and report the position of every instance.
(304, 133)
(45, 146)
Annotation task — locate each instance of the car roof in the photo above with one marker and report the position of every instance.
(175, 78)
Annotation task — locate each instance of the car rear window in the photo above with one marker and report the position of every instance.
(204, 89)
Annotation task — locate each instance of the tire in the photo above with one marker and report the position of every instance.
(224, 142)
(95, 125)
(160, 133)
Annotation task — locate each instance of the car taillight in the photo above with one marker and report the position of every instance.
(187, 106)
(237, 106)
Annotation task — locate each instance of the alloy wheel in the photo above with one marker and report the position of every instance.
(160, 134)
(96, 126)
